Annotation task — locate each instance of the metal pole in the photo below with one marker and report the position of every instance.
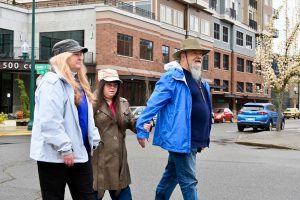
(29, 127)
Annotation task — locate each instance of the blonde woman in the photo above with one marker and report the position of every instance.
(64, 133)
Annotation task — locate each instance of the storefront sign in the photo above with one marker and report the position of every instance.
(14, 66)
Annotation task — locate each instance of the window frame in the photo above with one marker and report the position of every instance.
(239, 38)
(147, 57)
(216, 32)
(130, 46)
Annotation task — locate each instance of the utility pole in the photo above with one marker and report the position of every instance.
(29, 127)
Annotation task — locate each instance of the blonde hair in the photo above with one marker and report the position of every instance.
(60, 64)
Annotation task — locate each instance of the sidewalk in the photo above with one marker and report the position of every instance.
(286, 139)
(14, 130)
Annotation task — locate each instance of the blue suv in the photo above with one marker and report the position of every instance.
(258, 115)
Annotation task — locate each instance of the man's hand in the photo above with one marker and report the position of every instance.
(147, 127)
(69, 159)
(142, 142)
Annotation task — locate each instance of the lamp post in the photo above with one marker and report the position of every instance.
(29, 127)
(295, 96)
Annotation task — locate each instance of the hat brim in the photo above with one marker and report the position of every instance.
(176, 55)
(112, 80)
(80, 49)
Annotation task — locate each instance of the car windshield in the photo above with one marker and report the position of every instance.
(252, 108)
(289, 109)
(219, 110)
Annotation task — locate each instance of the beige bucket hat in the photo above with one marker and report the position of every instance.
(109, 75)
(190, 44)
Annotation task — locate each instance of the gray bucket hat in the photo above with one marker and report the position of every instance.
(67, 45)
(190, 44)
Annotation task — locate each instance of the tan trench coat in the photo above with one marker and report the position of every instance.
(110, 166)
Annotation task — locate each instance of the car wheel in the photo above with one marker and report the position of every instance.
(287, 117)
(231, 120)
(241, 128)
(269, 126)
(254, 128)
(282, 125)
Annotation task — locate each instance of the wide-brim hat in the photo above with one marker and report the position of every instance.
(190, 44)
(68, 45)
(109, 75)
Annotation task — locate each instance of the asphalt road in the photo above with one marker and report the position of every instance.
(225, 171)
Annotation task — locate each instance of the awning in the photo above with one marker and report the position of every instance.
(128, 71)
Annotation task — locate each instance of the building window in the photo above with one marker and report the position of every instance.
(258, 69)
(217, 60)
(213, 4)
(205, 27)
(146, 50)
(6, 43)
(225, 86)
(194, 23)
(217, 84)
(225, 34)
(165, 54)
(266, 91)
(258, 88)
(205, 62)
(177, 18)
(48, 39)
(225, 62)
(249, 87)
(240, 87)
(165, 14)
(239, 38)
(240, 65)
(216, 31)
(124, 45)
(249, 67)
(249, 41)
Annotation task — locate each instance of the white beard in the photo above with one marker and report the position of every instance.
(196, 72)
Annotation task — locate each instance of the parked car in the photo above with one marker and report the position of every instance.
(223, 115)
(291, 113)
(258, 115)
(137, 111)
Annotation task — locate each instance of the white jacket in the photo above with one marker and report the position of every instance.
(56, 129)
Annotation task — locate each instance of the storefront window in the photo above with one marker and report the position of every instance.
(48, 39)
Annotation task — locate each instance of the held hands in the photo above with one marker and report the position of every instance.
(142, 141)
(69, 159)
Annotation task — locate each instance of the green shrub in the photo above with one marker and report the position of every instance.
(3, 117)
(24, 98)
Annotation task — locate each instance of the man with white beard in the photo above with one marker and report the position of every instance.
(181, 100)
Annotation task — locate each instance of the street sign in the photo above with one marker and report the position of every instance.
(41, 68)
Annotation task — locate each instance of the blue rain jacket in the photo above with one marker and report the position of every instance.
(172, 102)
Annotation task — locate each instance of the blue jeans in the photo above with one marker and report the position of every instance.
(181, 169)
(125, 194)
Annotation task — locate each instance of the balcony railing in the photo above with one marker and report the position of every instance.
(252, 24)
(253, 3)
(130, 8)
(232, 13)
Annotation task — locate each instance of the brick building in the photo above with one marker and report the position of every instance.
(138, 37)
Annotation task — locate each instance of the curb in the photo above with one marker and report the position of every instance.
(274, 146)
(15, 134)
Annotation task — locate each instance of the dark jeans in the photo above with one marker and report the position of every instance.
(125, 194)
(54, 177)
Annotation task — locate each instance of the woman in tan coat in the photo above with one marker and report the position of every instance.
(112, 118)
